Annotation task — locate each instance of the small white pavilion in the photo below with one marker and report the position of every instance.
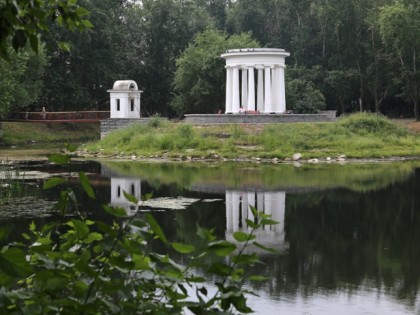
(125, 99)
(246, 92)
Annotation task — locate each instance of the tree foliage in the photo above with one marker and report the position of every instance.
(20, 79)
(22, 20)
(199, 81)
(399, 25)
(364, 52)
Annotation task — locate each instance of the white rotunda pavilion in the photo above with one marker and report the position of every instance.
(125, 99)
(255, 80)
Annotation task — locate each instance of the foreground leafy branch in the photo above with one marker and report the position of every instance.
(78, 266)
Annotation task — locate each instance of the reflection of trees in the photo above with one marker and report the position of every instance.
(340, 240)
(358, 177)
(348, 237)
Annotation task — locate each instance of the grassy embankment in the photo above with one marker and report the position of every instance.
(37, 134)
(356, 136)
(30, 140)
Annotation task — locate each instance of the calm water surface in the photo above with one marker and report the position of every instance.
(349, 235)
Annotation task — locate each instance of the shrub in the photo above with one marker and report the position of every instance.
(360, 123)
(303, 97)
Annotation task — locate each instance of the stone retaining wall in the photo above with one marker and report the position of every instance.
(212, 119)
(112, 124)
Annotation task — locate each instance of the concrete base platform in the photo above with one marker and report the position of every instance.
(111, 124)
(214, 119)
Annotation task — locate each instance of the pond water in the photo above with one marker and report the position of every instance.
(348, 236)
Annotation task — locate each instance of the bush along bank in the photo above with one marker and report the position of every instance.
(359, 136)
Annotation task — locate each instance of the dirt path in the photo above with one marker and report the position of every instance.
(410, 124)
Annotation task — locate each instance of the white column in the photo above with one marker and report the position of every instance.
(235, 90)
(275, 90)
(279, 213)
(235, 210)
(260, 201)
(229, 212)
(282, 89)
(268, 207)
(260, 92)
(251, 89)
(229, 74)
(244, 209)
(244, 100)
(267, 91)
(251, 202)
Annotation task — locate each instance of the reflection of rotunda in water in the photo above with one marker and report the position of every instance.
(237, 208)
(131, 186)
(270, 202)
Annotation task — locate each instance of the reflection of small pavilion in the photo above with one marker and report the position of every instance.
(131, 186)
(238, 210)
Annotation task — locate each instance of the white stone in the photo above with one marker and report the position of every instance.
(296, 156)
(328, 158)
(313, 161)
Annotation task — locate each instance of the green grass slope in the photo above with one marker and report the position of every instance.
(359, 135)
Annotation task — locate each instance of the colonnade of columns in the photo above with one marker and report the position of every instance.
(238, 210)
(267, 81)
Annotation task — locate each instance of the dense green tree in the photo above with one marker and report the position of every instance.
(165, 30)
(199, 82)
(349, 50)
(20, 82)
(399, 25)
(78, 79)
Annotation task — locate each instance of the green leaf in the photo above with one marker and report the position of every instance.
(221, 248)
(115, 211)
(130, 198)
(268, 222)
(205, 234)
(251, 224)
(65, 46)
(267, 249)
(246, 259)
(182, 248)
(141, 262)
(94, 236)
(155, 227)
(258, 278)
(59, 158)
(81, 228)
(52, 182)
(55, 283)
(240, 304)
(4, 232)
(219, 269)
(120, 262)
(13, 263)
(86, 185)
(254, 211)
(87, 24)
(243, 237)
(147, 196)
(80, 11)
